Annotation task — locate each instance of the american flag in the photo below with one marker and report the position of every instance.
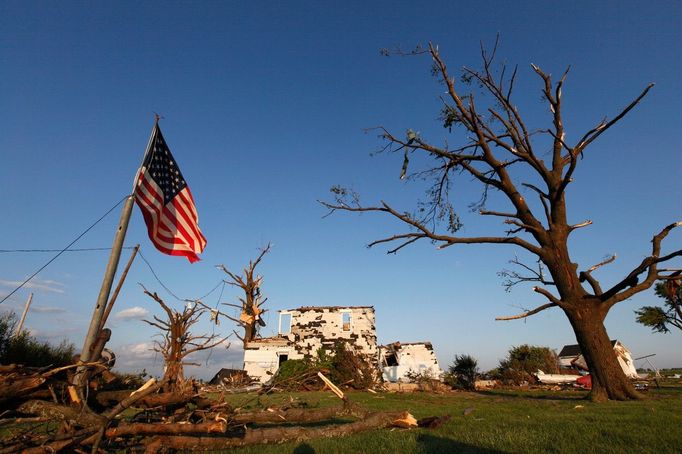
(166, 203)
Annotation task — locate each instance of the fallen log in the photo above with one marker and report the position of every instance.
(14, 387)
(60, 412)
(174, 428)
(50, 448)
(48, 442)
(433, 422)
(145, 391)
(298, 415)
(12, 421)
(108, 398)
(273, 434)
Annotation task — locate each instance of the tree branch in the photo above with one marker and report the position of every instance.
(548, 295)
(446, 240)
(527, 313)
(649, 264)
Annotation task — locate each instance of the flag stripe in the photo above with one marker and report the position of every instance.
(153, 219)
(167, 204)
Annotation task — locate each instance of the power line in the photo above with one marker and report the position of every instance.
(63, 250)
(7, 251)
(157, 277)
(170, 292)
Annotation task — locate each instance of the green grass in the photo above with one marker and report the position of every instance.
(509, 421)
(503, 421)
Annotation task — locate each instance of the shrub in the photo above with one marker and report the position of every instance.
(351, 368)
(463, 372)
(424, 379)
(524, 361)
(29, 351)
(294, 368)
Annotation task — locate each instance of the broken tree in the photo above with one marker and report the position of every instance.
(251, 304)
(500, 154)
(177, 341)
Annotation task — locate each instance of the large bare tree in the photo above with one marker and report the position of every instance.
(497, 150)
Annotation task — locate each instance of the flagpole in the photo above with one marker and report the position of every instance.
(109, 273)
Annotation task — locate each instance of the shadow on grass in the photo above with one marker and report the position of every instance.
(306, 424)
(558, 395)
(304, 448)
(432, 444)
(427, 443)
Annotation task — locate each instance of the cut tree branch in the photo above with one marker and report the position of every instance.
(528, 313)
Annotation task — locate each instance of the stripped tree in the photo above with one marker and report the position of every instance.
(177, 342)
(251, 304)
(498, 151)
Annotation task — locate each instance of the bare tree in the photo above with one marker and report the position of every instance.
(177, 342)
(251, 304)
(499, 152)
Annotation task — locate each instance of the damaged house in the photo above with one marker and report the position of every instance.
(306, 330)
(399, 359)
(570, 357)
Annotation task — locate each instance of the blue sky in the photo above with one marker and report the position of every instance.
(265, 107)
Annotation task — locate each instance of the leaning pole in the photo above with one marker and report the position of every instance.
(107, 281)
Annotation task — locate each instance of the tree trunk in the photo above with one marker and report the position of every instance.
(173, 376)
(249, 333)
(608, 379)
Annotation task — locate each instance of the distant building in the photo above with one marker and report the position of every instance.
(306, 330)
(570, 357)
(398, 359)
(229, 377)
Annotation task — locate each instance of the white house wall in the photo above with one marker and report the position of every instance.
(321, 327)
(625, 360)
(416, 357)
(312, 328)
(261, 358)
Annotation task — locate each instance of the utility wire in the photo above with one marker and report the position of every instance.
(170, 292)
(7, 251)
(63, 250)
(212, 290)
(157, 277)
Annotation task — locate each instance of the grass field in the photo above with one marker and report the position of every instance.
(503, 421)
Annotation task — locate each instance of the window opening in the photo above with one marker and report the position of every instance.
(284, 323)
(391, 359)
(345, 321)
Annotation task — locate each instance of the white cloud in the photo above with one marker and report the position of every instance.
(138, 356)
(134, 313)
(54, 334)
(49, 286)
(47, 310)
